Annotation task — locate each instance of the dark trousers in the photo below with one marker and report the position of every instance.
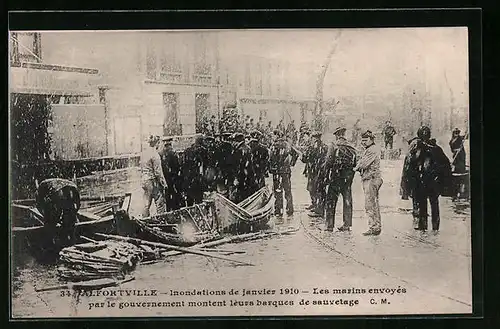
(282, 182)
(389, 142)
(340, 186)
(194, 193)
(420, 214)
(173, 199)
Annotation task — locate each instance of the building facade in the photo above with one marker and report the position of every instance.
(128, 85)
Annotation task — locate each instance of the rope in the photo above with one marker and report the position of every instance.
(329, 247)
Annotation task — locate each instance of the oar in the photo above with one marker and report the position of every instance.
(98, 284)
(161, 245)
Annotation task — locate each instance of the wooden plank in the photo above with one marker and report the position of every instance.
(166, 246)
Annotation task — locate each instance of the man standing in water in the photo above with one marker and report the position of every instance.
(152, 178)
(369, 168)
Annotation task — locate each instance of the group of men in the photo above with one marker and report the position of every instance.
(427, 174)
(237, 165)
(233, 164)
(330, 172)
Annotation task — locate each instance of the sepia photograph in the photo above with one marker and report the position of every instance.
(243, 172)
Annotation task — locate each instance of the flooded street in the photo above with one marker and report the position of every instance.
(417, 272)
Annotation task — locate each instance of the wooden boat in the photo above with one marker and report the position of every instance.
(183, 227)
(96, 215)
(251, 214)
(202, 222)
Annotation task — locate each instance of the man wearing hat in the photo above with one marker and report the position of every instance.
(152, 179)
(313, 158)
(225, 164)
(426, 171)
(389, 131)
(369, 168)
(260, 161)
(172, 172)
(282, 157)
(457, 148)
(338, 171)
(458, 160)
(243, 167)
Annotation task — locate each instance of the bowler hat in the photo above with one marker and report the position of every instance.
(368, 134)
(339, 131)
(239, 137)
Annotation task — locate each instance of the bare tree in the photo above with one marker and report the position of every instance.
(319, 109)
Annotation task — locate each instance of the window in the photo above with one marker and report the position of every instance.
(259, 79)
(151, 68)
(202, 106)
(267, 80)
(102, 95)
(262, 114)
(170, 65)
(202, 66)
(26, 47)
(170, 123)
(248, 80)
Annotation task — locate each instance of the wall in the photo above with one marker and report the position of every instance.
(153, 117)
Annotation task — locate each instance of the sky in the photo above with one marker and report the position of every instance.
(366, 60)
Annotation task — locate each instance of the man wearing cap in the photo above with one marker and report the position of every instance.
(338, 172)
(153, 181)
(458, 162)
(313, 158)
(172, 172)
(244, 169)
(260, 161)
(369, 167)
(426, 171)
(389, 133)
(282, 157)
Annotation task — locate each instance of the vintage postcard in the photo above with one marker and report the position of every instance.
(193, 173)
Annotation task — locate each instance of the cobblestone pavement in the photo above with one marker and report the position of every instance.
(418, 272)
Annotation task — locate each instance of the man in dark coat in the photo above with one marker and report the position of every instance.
(389, 131)
(244, 168)
(225, 164)
(458, 162)
(211, 163)
(58, 200)
(282, 157)
(260, 161)
(193, 170)
(313, 158)
(172, 172)
(457, 148)
(426, 172)
(338, 172)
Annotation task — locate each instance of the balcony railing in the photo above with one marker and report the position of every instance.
(171, 76)
(202, 78)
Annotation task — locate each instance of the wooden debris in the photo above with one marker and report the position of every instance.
(161, 245)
